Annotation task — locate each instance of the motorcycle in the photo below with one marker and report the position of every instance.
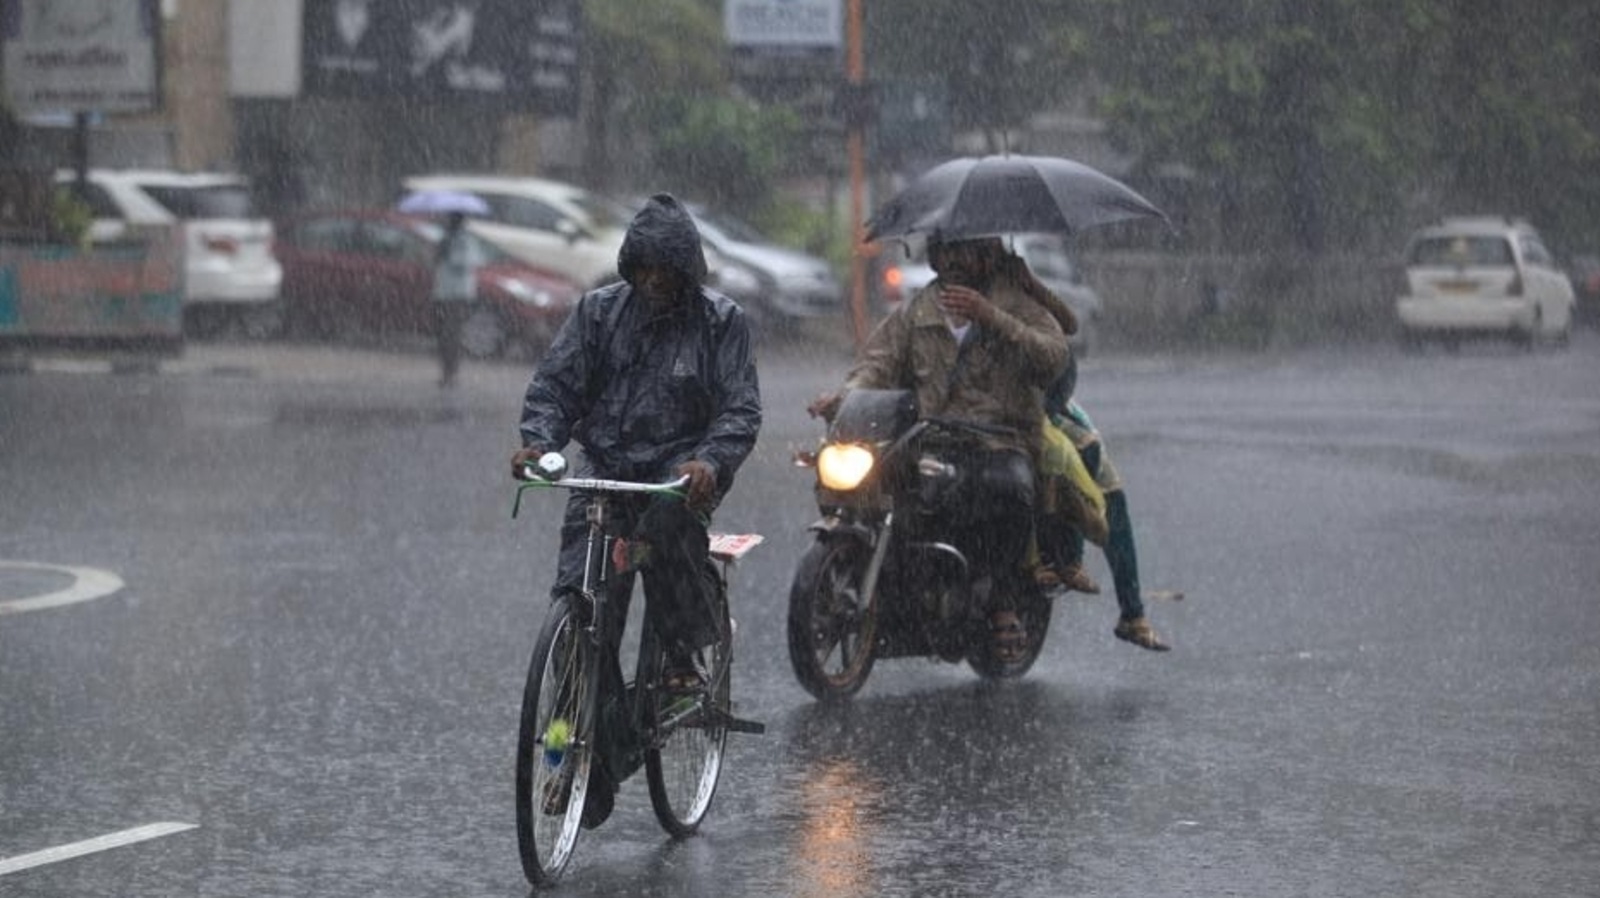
(885, 577)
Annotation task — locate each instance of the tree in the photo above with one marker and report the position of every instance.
(1000, 62)
(1305, 125)
(1343, 121)
(726, 152)
(636, 55)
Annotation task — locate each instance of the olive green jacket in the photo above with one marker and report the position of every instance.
(1003, 370)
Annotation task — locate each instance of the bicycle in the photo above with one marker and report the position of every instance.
(579, 711)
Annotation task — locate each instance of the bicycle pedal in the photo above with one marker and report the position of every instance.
(740, 725)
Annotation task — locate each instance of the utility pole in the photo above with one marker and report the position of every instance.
(856, 76)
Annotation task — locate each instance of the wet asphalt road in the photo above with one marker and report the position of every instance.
(1384, 683)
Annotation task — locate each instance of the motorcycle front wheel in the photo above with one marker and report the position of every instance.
(832, 626)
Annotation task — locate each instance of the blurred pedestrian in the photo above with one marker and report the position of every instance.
(455, 289)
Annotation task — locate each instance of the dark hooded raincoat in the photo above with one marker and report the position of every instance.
(642, 390)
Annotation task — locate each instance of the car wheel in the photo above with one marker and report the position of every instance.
(203, 322)
(483, 334)
(1529, 339)
(1563, 337)
(261, 321)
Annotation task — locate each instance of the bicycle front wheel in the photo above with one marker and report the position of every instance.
(555, 743)
(685, 758)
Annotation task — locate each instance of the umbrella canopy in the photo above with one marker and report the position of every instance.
(977, 197)
(441, 202)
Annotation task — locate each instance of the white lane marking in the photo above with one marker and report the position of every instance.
(90, 846)
(87, 583)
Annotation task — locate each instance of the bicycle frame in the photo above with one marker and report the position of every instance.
(677, 735)
(637, 725)
(596, 592)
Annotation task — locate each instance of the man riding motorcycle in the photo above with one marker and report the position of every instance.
(975, 346)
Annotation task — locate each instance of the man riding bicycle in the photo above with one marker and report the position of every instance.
(654, 378)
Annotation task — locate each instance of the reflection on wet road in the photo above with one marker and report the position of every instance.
(1380, 682)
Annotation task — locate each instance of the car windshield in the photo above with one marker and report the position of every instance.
(1462, 250)
(214, 201)
(605, 214)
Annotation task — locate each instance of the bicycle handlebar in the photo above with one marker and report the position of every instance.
(533, 480)
(597, 485)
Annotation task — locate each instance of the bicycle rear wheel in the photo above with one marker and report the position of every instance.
(685, 759)
(555, 743)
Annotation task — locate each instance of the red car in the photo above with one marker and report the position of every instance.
(356, 273)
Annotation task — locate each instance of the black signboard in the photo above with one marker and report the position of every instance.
(522, 53)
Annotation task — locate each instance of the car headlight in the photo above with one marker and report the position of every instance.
(521, 292)
(842, 466)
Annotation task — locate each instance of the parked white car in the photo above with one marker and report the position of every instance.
(231, 280)
(548, 224)
(1483, 276)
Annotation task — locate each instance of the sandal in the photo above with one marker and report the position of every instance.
(1010, 637)
(1072, 578)
(1138, 631)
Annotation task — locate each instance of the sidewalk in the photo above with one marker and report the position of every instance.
(289, 362)
(406, 364)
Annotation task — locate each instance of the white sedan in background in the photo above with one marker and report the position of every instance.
(1482, 276)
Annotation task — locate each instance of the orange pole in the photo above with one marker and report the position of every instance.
(856, 74)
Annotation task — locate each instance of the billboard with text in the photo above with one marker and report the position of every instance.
(521, 53)
(80, 55)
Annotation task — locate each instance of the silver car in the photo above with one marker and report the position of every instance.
(788, 284)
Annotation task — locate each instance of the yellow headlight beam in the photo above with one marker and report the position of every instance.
(842, 466)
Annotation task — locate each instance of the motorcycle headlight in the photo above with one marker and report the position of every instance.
(842, 466)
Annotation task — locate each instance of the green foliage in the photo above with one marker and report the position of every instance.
(663, 45)
(1306, 126)
(1000, 62)
(1341, 123)
(70, 218)
(1276, 125)
(639, 53)
(726, 152)
(791, 223)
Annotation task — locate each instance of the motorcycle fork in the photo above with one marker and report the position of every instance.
(880, 550)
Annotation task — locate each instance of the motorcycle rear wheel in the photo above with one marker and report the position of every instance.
(1035, 614)
(832, 627)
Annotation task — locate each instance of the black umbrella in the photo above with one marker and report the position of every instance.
(976, 197)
